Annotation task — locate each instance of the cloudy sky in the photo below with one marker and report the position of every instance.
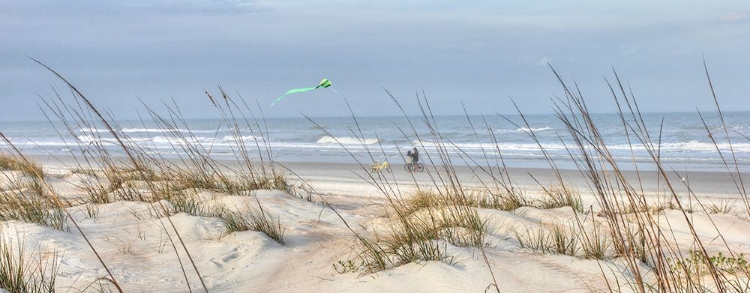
(476, 52)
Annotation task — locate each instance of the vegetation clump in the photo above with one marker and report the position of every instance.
(20, 272)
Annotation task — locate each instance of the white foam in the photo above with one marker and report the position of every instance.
(244, 138)
(346, 140)
(525, 129)
(151, 130)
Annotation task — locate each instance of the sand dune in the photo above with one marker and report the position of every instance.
(133, 239)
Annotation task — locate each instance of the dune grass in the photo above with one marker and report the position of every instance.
(26, 272)
(251, 220)
(22, 195)
(12, 162)
(16, 206)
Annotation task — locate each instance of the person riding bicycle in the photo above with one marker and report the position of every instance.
(412, 161)
(414, 154)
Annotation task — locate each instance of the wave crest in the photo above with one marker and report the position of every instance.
(526, 129)
(243, 138)
(346, 140)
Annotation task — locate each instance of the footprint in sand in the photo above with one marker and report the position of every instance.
(220, 263)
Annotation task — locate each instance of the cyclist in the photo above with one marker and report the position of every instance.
(414, 154)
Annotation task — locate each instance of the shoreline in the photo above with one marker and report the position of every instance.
(712, 186)
(703, 184)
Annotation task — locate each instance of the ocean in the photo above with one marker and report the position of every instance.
(681, 138)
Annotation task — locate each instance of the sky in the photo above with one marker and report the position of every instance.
(474, 54)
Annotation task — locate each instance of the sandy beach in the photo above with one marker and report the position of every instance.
(320, 253)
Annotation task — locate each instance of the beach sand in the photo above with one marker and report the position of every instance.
(133, 241)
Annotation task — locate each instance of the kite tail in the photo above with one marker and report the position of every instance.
(323, 84)
(278, 99)
(293, 91)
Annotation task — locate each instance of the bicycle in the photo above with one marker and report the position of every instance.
(413, 167)
(376, 167)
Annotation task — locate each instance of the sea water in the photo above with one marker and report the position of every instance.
(681, 141)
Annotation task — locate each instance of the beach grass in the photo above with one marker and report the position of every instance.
(22, 196)
(22, 272)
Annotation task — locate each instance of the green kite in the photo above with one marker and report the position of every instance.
(323, 84)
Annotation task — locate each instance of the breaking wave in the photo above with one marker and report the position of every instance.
(346, 140)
